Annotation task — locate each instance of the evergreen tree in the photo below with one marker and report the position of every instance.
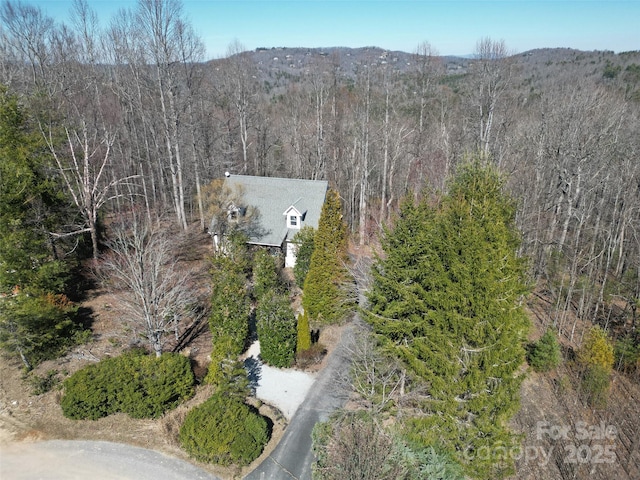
(275, 320)
(276, 324)
(36, 318)
(265, 274)
(30, 204)
(325, 297)
(545, 355)
(446, 300)
(37, 327)
(596, 358)
(230, 306)
(304, 241)
(304, 333)
(597, 349)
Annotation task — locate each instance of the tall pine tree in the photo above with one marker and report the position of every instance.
(30, 206)
(36, 318)
(325, 295)
(446, 300)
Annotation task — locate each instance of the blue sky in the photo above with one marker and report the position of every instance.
(450, 26)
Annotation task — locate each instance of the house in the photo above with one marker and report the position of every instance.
(283, 207)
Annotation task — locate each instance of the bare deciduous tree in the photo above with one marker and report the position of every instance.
(85, 175)
(375, 379)
(158, 295)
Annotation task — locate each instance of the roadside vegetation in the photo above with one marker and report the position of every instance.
(134, 383)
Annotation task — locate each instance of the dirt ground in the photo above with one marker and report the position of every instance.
(566, 439)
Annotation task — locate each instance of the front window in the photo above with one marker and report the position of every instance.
(293, 220)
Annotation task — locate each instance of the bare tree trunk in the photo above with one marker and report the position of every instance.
(364, 178)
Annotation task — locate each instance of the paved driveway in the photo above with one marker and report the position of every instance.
(292, 458)
(80, 460)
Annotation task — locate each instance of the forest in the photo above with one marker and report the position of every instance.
(124, 118)
(145, 122)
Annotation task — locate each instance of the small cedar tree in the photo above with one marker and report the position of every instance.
(304, 333)
(597, 349)
(266, 277)
(545, 355)
(304, 241)
(596, 357)
(230, 305)
(276, 325)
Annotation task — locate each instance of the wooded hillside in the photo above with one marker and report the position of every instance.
(130, 118)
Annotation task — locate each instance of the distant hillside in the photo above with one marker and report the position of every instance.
(279, 66)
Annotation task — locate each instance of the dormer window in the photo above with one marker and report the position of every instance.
(294, 217)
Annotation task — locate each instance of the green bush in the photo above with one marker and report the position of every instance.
(38, 327)
(277, 333)
(595, 385)
(627, 354)
(597, 349)
(304, 241)
(265, 274)
(230, 306)
(544, 355)
(141, 386)
(304, 333)
(225, 431)
(43, 384)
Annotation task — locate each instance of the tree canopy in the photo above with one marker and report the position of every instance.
(446, 300)
(36, 317)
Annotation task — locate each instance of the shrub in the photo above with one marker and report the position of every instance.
(627, 354)
(225, 431)
(142, 386)
(265, 274)
(304, 241)
(544, 355)
(43, 384)
(276, 330)
(595, 385)
(230, 307)
(355, 445)
(226, 372)
(311, 356)
(36, 327)
(596, 357)
(597, 349)
(304, 333)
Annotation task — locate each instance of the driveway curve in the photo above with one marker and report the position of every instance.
(79, 460)
(292, 458)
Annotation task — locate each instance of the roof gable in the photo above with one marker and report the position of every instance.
(292, 210)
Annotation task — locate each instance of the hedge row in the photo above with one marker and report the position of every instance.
(139, 385)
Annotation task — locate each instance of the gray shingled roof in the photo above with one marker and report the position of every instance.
(272, 196)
